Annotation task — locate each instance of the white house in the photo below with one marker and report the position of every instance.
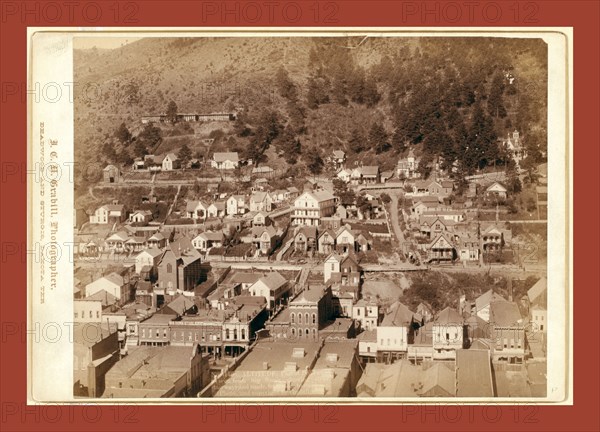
(207, 240)
(366, 313)
(108, 213)
(344, 175)
(148, 257)
(310, 207)
(225, 160)
(260, 201)
(140, 216)
(273, 287)
(216, 209)
(113, 283)
(170, 162)
(496, 189)
(344, 239)
(448, 333)
(196, 210)
(236, 204)
(332, 265)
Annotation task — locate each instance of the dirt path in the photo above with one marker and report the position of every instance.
(395, 220)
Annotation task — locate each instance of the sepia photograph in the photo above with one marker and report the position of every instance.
(345, 216)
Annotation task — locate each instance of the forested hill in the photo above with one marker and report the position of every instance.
(300, 98)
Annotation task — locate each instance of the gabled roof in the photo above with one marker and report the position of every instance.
(142, 212)
(449, 316)
(334, 256)
(110, 167)
(371, 170)
(104, 296)
(273, 280)
(399, 315)
(121, 235)
(219, 205)
(181, 304)
(487, 298)
(496, 186)
(258, 197)
(212, 235)
(327, 231)
(438, 240)
(226, 156)
(171, 156)
(505, 314)
(439, 375)
(183, 249)
(339, 154)
(113, 207)
(308, 231)
(473, 373)
(193, 205)
(538, 289)
(157, 237)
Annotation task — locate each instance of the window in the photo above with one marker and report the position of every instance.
(381, 342)
(368, 349)
(332, 267)
(169, 268)
(235, 334)
(90, 314)
(293, 332)
(447, 336)
(76, 315)
(306, 318)
(189, 335)
(299, 318)
(314, 318)
(157, 332)
(97, 314)
(357, 312)
(143, 332)
(307, 332)
(243, 334)
(314, 331)
(293, 318)
(226, 333)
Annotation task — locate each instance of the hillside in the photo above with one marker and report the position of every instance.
(446, 97)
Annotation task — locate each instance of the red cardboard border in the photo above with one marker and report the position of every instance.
(16, 16)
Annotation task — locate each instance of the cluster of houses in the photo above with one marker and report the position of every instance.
(189, 117)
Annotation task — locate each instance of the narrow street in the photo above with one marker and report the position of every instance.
(395, 220)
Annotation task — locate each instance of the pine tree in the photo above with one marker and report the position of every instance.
(172, 112)
(378, 138)
(357, 141)
(123, 134)
(185, 154)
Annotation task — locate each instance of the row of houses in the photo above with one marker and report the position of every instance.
(189, 117)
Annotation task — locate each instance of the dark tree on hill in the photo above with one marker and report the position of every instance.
(314, 162)
(109, 152)
(140, 150)
(425, 165)
(185, 154)
(172, 112)
(483, 142)
(150, 136)
(357, 142)
(123, 134)
(513, 182)
(495, 102)
(317, 92)
(287, 88)
(340, 189)
(378, 138)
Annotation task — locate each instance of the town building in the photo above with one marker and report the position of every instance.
(111, 174)
(310, 207)
(225, 160)
(95, 350)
